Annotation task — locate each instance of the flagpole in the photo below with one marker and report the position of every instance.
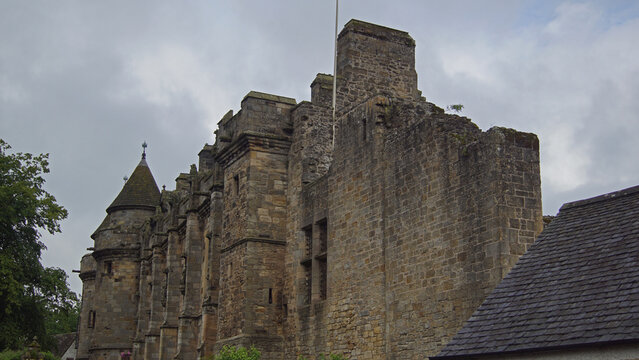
(335, 69)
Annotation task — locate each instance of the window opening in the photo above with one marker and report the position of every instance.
(323, 278)
(323, 236)
(270, 295)
(308, 283)
(91, 322)
(307, 263)
(108, 267)
(308, 242)
(314, 285)
(364, 129)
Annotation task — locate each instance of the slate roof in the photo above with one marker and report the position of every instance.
(578, 284)
(63, 342)
(139, 192)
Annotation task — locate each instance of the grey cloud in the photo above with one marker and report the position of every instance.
(89, 81)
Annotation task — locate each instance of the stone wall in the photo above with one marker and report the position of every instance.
(426, 213)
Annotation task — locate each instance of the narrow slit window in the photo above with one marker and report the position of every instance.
(108, 267)
(270, 295)
(91, 322)
(236, 184)
(364, 130)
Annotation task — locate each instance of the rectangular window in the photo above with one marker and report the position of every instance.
(91, 322)
(323, 279)
(364, 129)
(323, 236)
(108, 267)
(308, 284)
(308, 242)
(314, 262)
(307, 262)
(320, 257)
(236, 184)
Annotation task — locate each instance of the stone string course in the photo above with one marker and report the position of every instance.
(376, 242)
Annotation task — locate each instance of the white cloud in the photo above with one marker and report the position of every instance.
(565, 160)
(572, 79)
(573, 21)
(169, 75)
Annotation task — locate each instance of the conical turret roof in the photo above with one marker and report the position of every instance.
(139, 192)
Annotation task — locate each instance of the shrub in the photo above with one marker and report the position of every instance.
(10, 355)
(17, 355)
(238, 353)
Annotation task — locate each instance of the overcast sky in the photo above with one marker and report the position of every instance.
(89, 81)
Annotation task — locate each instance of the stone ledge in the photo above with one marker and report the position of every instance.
(269, 97)
(377, 31)
(249, 239)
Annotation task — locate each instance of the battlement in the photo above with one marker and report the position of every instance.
(377, 31)
(373, 60)
(269, 97)
(322, 90)
(260, 113)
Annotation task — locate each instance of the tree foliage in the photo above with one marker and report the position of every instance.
(31, 296)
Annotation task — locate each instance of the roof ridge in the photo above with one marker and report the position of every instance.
(599, 198)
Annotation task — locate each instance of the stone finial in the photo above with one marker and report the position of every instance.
(144, 145)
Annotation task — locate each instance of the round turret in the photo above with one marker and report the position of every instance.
(117, 264)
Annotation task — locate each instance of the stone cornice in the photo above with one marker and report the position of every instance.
(89, 275)
(117, 252)
(257, 240)
(253, 141)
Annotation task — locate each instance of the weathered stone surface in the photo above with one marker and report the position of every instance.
(375, 235)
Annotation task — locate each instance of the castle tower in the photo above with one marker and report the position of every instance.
(117, 266)
(374, 60)
(252, 248)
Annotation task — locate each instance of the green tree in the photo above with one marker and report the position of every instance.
(29, 293)
(62, 307)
